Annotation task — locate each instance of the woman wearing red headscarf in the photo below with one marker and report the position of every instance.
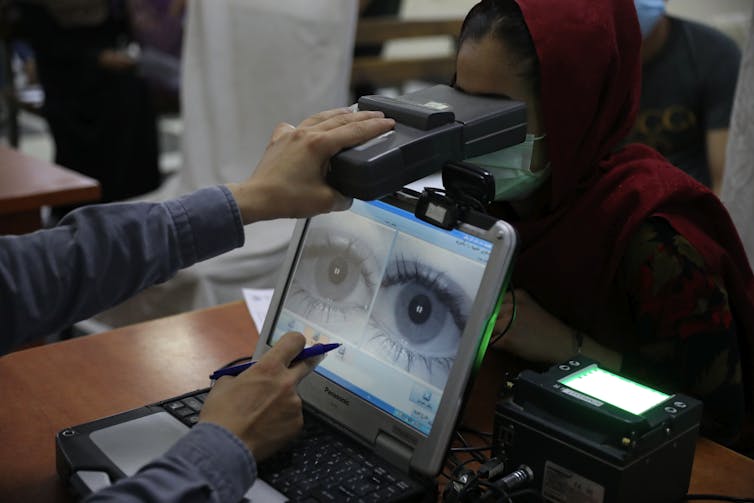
(623, 257)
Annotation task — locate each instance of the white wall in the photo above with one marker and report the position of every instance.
(729, 15)
(436, 8)
(427, 9)
(702, 10)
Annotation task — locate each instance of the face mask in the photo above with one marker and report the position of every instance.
(511, 168)
(649, 12)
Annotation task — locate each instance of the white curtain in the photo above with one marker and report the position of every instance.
(738, 181)
(247, 65)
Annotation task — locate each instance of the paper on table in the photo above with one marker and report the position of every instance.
(258, 302)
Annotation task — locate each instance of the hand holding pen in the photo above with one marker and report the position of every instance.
(316, 350)
(261, 406)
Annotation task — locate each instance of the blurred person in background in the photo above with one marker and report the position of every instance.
(157, 26)
(689, 74)
(97, 107)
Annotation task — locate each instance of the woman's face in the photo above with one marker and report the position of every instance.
(486, 66)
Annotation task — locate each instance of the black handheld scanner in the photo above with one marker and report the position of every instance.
(433, 127)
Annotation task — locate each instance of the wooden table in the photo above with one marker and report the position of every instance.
(27, 184)
(48, 388)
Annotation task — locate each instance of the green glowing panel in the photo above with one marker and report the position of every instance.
(614, 389)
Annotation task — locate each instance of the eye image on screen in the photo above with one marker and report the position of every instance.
(338, 272)
(421, 309)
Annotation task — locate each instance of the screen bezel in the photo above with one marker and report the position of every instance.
(424, 453)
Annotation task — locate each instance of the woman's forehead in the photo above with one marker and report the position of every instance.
(485, 66)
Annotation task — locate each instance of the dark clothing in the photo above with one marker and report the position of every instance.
(601, 196)
(687, 90)
(159, 33)
(101, 120)
(154, 26)
(675, 306)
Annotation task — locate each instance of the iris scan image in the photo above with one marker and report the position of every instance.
(421, 309)
(338, 273)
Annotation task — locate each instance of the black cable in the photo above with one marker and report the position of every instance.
(510, 321)
(502, 494)
(716, 497)
(468, 448)
(471, 449)
(451, 464)
(464, 463)
(474, 450)
(486, 435)
(452, 459)
(461, 438)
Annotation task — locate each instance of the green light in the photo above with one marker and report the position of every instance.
(614, 389)
(484, 343)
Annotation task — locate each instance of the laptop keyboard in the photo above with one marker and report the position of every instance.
(186, 408)
(321, 465)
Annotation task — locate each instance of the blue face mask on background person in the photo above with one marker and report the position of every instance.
(511, 168)
(649, 12)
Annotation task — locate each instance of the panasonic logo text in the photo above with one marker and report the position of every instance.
(336, 396)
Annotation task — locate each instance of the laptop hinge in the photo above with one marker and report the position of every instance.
(394, 451)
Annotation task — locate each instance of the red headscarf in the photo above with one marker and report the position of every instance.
(589, 56)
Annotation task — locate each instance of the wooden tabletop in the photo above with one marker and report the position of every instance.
(27, 184)
(48, 388)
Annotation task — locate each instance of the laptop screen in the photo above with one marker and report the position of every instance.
(396, 293)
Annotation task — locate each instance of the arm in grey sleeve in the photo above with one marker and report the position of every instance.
(209, 464)
(103, 254)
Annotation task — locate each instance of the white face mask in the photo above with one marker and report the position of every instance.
(511, 168)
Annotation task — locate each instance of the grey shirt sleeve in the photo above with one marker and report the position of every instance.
(101, 255)
(209, 464)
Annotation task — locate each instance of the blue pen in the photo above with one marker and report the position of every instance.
(316, 350)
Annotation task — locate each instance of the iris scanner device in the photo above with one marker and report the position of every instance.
(434, 127)
(591, 436)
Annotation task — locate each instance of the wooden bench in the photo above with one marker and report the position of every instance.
(378, 71)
